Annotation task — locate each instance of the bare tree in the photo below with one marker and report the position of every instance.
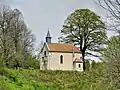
(5, 18)
(16, 40)
(23, 39)
(113, 7)
(27, 44)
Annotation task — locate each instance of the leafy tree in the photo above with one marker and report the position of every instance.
(16, 40)
(86, 29)
(112, 61)
(32, 62)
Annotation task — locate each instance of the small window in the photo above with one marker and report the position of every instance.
(45, 53)
(79, 66)
(42, 58)
(61, 59)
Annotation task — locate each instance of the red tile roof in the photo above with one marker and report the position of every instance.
(58, 47)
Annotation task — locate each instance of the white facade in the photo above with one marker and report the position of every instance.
(59, 60)
(78, 66)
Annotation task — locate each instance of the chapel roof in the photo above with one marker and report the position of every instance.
(59, 47)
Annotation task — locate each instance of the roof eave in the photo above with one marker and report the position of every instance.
(65, 52)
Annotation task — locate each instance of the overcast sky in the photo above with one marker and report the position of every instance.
(40, 15)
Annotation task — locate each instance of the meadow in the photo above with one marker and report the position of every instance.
(24, 79)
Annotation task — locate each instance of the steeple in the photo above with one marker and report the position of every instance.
(48, 37)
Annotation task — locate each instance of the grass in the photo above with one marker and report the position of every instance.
(50, 80)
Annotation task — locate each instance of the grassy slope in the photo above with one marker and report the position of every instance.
(49, 80)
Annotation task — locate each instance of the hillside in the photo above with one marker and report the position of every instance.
(49, 80)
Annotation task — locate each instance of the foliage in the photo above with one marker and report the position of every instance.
(112, 53)
(32, 62)
(84, 28)
(22, 79)
(87, 65)
(112, 61)
(16, 40)
(94, 65)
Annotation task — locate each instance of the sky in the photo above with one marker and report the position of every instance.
(41, 15)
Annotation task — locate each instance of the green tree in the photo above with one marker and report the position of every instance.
(86, 29)
(112, 61)
(16, 40)
(32, 62)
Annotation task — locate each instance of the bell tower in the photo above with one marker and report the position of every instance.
(48, 37)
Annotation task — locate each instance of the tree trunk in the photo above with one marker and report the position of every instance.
(83, 58)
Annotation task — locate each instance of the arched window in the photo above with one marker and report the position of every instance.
(45, 53)
(61, 59)
(79, 65)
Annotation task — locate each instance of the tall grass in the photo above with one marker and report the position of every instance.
(50, 80)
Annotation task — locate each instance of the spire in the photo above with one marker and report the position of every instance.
(48, 37)
(48, 34)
